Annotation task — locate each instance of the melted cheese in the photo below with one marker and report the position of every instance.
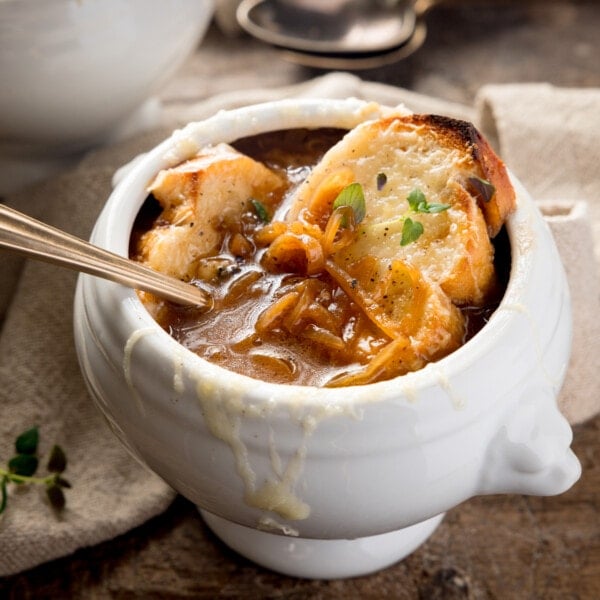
(454, 250)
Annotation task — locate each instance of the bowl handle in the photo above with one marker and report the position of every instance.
(530, 452)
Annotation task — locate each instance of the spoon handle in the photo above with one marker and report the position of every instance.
(32, 238)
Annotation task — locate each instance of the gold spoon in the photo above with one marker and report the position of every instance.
(25, 235)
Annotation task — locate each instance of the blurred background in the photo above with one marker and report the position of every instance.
(81, 74)
(531, 545)
(468, 43)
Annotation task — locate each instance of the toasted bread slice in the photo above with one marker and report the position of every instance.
(412, 311)
(449, 163)
(196, 196)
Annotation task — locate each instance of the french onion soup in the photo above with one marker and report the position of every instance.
(334, 258)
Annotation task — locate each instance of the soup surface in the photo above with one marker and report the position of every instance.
(276, 316)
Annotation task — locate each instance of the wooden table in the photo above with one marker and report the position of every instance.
(500, 547)
(490, 547)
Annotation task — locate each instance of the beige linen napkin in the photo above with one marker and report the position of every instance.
(548, 137)
(40, 383)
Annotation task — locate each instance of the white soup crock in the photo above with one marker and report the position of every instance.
(320, 482)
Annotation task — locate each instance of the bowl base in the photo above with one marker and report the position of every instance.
(321, 559)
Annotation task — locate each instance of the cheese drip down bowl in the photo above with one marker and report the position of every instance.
(332, 482)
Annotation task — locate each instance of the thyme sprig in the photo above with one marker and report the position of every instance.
(412, 230)
(418, 203)
(21, 469)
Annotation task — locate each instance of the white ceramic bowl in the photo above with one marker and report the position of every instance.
(74, 70)
(288, 475)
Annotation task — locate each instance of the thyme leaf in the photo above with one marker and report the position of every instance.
(353, 196)
(27, 442)
(23, 464)
(483, 188)
(411, 231)
(57, 462)
(260, 209)
(3, 493)
(56, 496)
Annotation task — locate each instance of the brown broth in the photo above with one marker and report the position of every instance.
(244, 290)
